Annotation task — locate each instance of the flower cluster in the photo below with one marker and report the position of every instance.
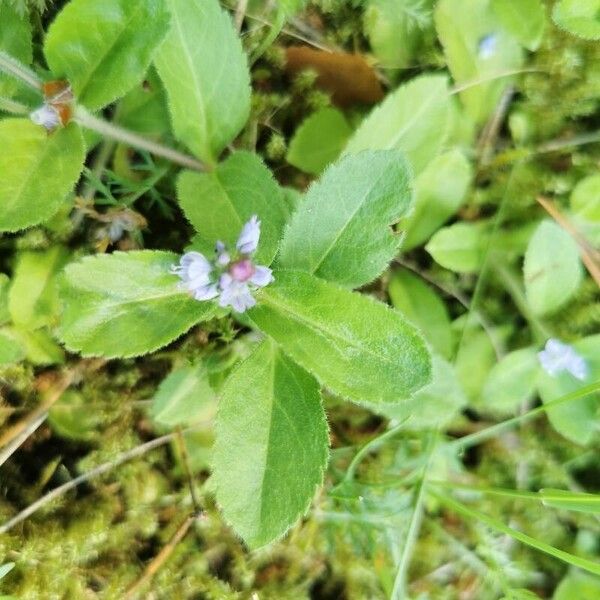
(231, 278)
(557, 357)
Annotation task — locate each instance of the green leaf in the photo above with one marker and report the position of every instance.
(218, 203)
(205, 71)
(395, 29)
(578, 420)
(414, 119)
(566, 557)
(318, 140)
(33, 296)
(72, 418)
(422, 307)
(39, 346)
(511, 381)
(15, 40)
(359, 348)
(105, 48)
(478, 51)
(144, 108)
(38, 171)
(585, 198)
(11, 350)
(271, 445)
(4, 287)
(566, 500)
(459, 247)
(434, 405)
(552, 268)
(440, 190)
(579, 17)
(341, 230)
(578, 586)
(524, 19)
(183, 397)
(475, 357)
(126, 304)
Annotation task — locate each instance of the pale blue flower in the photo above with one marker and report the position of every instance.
(223, 257)
(249, 236)
(47, 116)
(195, 272)
(232, 280)
(487, 45)
(557, 358)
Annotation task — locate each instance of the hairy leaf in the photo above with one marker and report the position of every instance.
(459, 247)
(11, 350)
(342, 229)
(125, 304)
(419, 303)
(552, 268)
(205, 71)
(478, 51)
(524, 19)
(271, 445)
(319, 140)
(38, 171)
(434, 405)
(15, 39)
(579, 17)
(357, 347)
(33, 297)
(511, 381)
(105, 48)
(413, 119)
(183, 397)
(218, 203)
(440, 189)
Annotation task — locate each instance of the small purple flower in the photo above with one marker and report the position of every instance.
(234, 281)
(195, 270)
(557, 357)
(223, 257)
(47, 116)
(249, 236)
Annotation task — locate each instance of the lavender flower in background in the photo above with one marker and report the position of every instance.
(231, 278)
(557, 357)
(47, 116)
(487, 45)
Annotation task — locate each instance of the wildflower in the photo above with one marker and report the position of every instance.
(249, 236)
(557, 357)
(47, 116)
(232, 278)
(487, 46)
(195, 270)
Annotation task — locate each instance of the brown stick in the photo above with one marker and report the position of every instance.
(99, 470)
(589, 255)
(157, 562)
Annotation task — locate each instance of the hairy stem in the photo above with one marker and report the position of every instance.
(120, 134)
(18, 70)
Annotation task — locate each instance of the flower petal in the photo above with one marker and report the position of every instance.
(249, 236)
(262, 276)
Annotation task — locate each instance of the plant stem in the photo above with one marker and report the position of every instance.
(399, 589)
(120, 134)
(158, 561)
(10, 106)
(476, 438)
(16, 69)
(471, 513)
